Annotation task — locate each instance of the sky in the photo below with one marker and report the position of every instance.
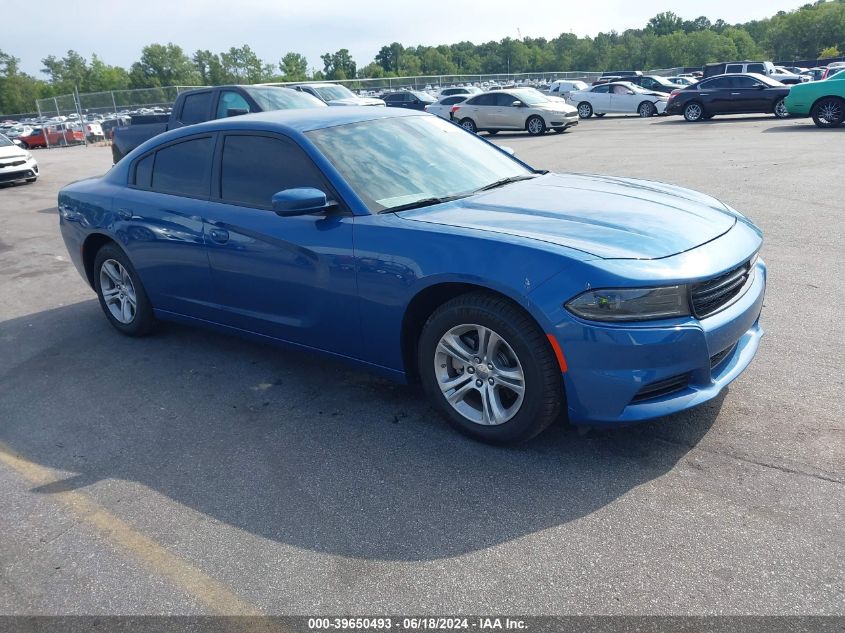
(117, 30)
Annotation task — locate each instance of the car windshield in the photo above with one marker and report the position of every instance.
(530, 97)
(333, 92)
(4, 141)
(269, 98)
(412, 158)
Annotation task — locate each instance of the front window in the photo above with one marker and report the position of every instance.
(333, 92)
(409, 159)
(270, 98)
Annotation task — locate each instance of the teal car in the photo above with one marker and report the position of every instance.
(822, 100)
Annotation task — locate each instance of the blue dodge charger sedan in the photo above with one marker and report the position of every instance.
(411, 247)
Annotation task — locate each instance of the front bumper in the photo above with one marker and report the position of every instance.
(18, 170)
(611, 367)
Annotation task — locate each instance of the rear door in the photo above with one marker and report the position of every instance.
(481, 110)
(292, 278)
(161, 225)
(196, 108)
(600, 98)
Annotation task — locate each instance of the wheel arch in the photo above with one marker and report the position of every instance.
(90, 247)
(423, 304)
(823, 97)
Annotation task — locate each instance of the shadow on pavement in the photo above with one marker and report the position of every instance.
(298, 449)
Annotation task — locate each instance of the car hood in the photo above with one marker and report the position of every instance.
(611, 218)
(12, 151)
(356, 101)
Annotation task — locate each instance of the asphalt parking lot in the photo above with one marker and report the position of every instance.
(191, 472)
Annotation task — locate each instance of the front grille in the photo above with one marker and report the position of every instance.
(718, 358)
(12, 164)
(17, 175)
(708, 297)
(662, 388)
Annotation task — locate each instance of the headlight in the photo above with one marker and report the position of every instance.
(28, 155)
(631, 304)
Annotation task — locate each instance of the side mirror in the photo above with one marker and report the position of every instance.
(300, 201)
(516, 104)
(236, 111)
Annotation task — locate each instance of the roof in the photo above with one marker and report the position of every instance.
(302, 119)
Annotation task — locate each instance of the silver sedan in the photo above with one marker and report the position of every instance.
(515, 109)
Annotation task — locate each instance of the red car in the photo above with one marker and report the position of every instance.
(61, 134)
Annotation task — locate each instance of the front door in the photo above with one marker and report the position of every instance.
(292, 278)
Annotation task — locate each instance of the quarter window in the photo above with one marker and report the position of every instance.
(184, 169)
(256, 167)
(144, 172)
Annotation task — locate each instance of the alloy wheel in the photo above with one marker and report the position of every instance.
(118, 291)
(780, 109)
(693, 112)
(831, 112)
(479, 374)
(535, 126)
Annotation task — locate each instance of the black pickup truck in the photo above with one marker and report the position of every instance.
(205, 104)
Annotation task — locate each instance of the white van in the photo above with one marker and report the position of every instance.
(562, 87)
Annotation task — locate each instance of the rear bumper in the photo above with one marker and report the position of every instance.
(615, 373)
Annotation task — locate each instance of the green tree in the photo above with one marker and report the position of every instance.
(163, 65)
(665, 23)
(294, 67)
(339, 65)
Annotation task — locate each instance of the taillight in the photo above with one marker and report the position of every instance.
(674, 92)
(454, 109)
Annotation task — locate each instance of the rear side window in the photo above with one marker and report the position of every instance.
(602, 88)
(744, 82)
(720, 83)
(452, 100)
(195, 109)
(144, 172)
(184, 169)
(733, 68)
(757, 68)
(483, 100)
(256, 167)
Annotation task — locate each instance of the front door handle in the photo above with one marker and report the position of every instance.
(221, 236)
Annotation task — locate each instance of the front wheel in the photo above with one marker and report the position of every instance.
(646, 109)
(780, 109)
(559, 130)
(490, 369)
(492, 132)
(600, 114)
(468, 125)
(693, 112)
(828, 112)
(585, 110)
(535, 126)
(122, 296)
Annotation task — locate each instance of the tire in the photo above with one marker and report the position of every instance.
(780, 110)
(535, 125)
(646, 109)
(24, 145)
(492, 132)
(828, 112)
(499, 415)
(31, 180)
(113, 268)
(469, 125)
(707, 117)
(585, 110)
(559, 130)
(693, 112)
(600, 114)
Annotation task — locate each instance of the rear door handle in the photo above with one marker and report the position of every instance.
(221, 236)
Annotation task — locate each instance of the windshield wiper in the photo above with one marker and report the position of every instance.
(425, 202)
(504, 181)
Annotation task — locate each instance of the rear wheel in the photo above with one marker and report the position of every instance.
(469, 125)
(492, 132)
(489, 369)
(828, 112)
(646, 109)
(559, 130)
(122, 296)
(535, 126)
(693, 112)
(600, 114)
(585, 110)
(780, 109)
